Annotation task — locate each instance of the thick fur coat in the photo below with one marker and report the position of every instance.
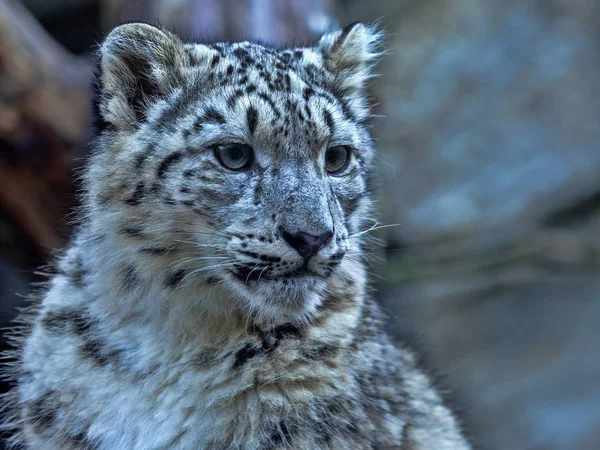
(215, 294)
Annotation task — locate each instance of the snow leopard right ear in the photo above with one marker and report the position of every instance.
(139, 63)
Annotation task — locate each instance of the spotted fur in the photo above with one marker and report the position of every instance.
(181, 317)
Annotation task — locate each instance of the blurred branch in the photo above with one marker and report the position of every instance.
(44, 113)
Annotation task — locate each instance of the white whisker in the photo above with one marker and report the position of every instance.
(253, 269)
(373, 228)
(198, 244)
(209, 268)
(183, 261)
(260, 275)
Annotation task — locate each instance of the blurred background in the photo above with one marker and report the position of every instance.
(489, 141)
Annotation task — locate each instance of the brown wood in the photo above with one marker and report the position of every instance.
(44, 115)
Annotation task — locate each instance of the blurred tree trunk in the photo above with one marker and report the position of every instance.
(44, 94)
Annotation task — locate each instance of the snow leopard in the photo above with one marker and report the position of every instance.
(215, 294)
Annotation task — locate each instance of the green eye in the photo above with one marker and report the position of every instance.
(337, 159)
(234, 156)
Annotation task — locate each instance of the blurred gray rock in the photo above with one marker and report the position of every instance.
(490, 161)
(491, 111)
(521, 357)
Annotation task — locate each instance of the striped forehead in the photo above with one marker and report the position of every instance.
(260, 95)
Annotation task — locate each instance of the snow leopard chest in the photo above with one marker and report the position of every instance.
(267, 389)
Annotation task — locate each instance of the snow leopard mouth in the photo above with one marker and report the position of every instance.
(253, 274)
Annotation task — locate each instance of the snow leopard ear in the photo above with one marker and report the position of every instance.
(138, 64)
(350, 54)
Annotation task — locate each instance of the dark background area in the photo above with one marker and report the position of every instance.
(487, 125)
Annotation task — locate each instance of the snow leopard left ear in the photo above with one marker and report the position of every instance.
(139, 64)
(350, 54)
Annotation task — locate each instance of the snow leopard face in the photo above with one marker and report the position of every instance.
(239, 164)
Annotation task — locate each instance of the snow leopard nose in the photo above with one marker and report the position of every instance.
(306, 244)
